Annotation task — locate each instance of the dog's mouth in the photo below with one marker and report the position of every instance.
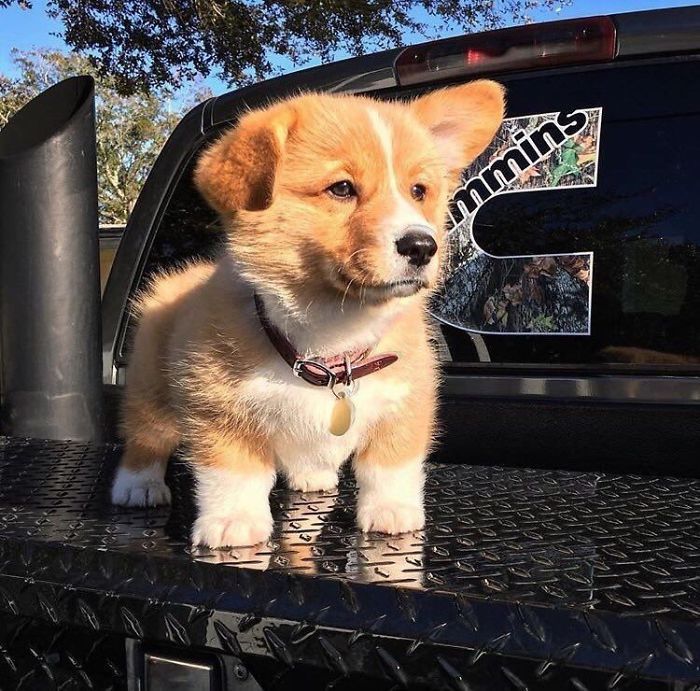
(395, 289)
(382, 291)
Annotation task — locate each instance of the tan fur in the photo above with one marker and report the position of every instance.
(201, 364)
(148, 421)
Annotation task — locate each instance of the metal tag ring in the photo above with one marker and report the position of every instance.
(348, 391)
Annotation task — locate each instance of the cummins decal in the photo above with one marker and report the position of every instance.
(547, 295)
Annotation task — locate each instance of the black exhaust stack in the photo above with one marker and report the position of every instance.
(50, 374)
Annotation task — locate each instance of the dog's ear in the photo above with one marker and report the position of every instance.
(237, 173)
(463, 120)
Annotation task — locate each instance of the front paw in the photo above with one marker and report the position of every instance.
(139, 488)
(233, 530)
(390, 518)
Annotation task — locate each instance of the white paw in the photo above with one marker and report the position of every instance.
(140, 488)
(233, 530)
(313, 481)
(392, 518)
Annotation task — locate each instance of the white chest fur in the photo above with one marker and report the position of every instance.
(296, 416)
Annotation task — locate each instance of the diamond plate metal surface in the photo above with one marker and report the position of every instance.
(521, 579)
(36, 656)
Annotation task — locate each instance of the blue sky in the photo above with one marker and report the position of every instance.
(26, 29)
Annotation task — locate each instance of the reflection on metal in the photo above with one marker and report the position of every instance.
(628, 389)
(368, 81)
(556, 579)
(168, 674)
(173, 668)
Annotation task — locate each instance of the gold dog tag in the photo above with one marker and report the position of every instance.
(342, 415)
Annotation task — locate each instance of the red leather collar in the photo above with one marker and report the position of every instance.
(339, 369)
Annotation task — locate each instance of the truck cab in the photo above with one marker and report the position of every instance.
(613, 358)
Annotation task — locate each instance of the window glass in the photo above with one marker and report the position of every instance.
(640, 220)
(189, 230)
(639, 217)
(109, 239)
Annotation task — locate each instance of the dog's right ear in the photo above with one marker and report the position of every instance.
(462, 119)
(237, 173)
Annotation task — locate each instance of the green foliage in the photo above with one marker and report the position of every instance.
(149, 43)
(567, 165)
(542, 324)
(130, 130)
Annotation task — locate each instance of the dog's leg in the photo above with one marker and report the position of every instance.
(234, 479)
(390, 497)
(151, 438)
(310, 469)
(390, 476)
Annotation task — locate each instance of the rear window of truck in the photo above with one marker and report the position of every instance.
(591, 256)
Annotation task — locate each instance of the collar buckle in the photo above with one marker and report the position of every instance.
(314, 373)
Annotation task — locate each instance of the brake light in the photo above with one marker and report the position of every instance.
(531, 46)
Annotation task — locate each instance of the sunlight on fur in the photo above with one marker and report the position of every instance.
(335, 207)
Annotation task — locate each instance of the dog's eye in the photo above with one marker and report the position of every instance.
(343, 189)
(418, 192)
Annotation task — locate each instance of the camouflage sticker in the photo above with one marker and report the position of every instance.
(524, 294)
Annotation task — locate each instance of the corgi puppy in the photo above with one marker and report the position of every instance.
(306, 344)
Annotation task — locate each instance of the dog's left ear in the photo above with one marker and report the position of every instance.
(463, 120)
(238, 172)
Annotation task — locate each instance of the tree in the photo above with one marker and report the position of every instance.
(130, 130)
(149, 43)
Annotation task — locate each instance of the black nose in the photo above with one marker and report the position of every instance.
(418, 246)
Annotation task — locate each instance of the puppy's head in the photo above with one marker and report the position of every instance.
(343, 197)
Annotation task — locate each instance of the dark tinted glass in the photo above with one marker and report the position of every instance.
(189, 230)
(641, 220)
